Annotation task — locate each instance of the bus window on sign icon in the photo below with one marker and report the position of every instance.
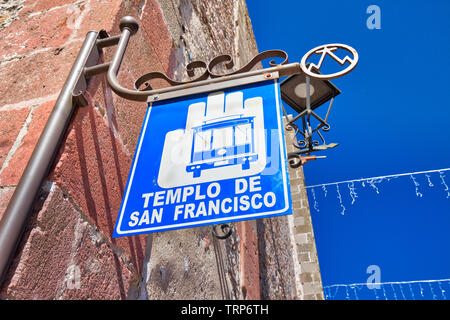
(223, 142)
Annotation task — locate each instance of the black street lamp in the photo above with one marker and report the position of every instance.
(293, 92)
(305, 94)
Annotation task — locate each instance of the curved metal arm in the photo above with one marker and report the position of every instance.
(129, 27)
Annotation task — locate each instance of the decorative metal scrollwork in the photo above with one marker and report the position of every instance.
(228, 60)
(142, 84)
(143, 80)
(305, 144)
(226, 229)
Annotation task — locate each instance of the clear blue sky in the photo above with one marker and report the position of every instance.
(393, 116)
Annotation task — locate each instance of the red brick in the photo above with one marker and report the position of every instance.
(156, 34)
(10, 124)
(249, 264)
(5, 195)
(38, 75)
(12, 173)
(52, 243)
(33, 6)
(33, 32)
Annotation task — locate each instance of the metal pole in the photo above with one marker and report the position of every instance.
(308, 94)
(308, 132)
(21, 203)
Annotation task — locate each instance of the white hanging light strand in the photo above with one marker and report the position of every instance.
(378, 178)
(435, 288)
(386, 283)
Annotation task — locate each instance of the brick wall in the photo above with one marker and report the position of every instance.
(66, 251)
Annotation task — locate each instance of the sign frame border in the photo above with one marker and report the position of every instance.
(283, 159)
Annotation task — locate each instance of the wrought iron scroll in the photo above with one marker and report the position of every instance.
(306, 144)
(226, 229)
(228, 60)
(142, 84)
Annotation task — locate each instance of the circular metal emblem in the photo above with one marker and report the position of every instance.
(328, 49)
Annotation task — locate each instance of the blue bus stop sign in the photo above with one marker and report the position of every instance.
(208, 159)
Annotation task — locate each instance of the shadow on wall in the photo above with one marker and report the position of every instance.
(109, 169)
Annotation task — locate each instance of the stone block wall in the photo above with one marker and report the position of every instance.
(304, 252)
(66, 251)
(289, 267)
